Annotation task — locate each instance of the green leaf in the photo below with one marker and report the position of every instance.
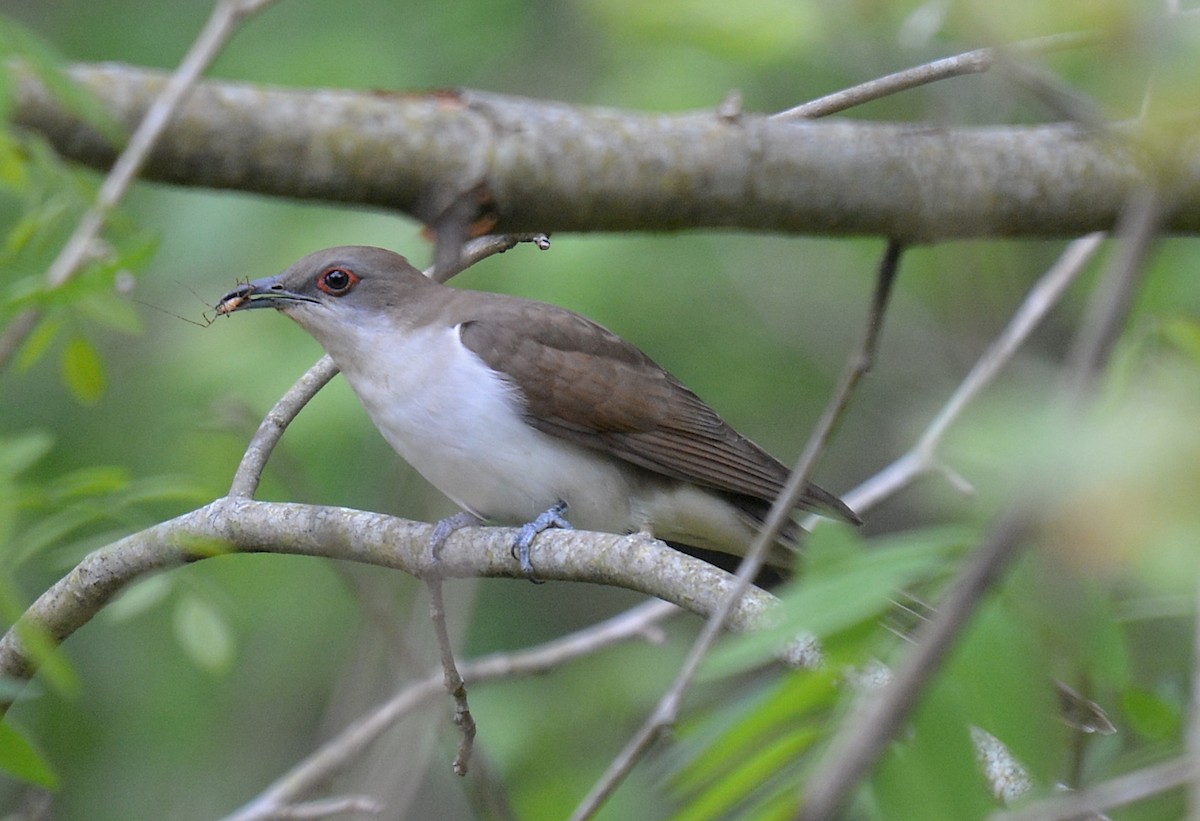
(39, 221)
(87, 482)
(52, 666)
(758, 768)
(838, 594)
(1001, 673)
(1184, 334)
(1151, 717)
(931, 771)
(19, 453)
(20, 759)
(38, 342)
(83, 370)
(8, 513)
(52, 530)
(798, 697)
(141, 597)
(14, 165)
(167, 488)
(204, 634)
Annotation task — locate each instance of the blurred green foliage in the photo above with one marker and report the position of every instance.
(198, 687)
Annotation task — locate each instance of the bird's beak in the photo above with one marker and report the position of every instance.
(261, 293)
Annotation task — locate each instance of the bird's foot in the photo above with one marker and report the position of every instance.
(443, 529)
(554, 517)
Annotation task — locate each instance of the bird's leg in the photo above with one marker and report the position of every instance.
(444, 527)
(554, 517)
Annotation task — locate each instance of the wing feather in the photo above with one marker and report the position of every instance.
(583, 383)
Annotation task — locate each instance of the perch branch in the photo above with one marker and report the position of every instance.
(241, 525)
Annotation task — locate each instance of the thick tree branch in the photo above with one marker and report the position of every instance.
(232, 525)
(546, 166)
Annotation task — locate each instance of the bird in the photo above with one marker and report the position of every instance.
(527, 413)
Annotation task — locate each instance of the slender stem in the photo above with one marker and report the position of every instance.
(665, 713)
(258, 451)
(1042, 297)
(1117, 792)
(336, 754)
(226, 18)
(970, 62)
(1105, 318)
(1193, 727)
(875, 723)
(451, 677)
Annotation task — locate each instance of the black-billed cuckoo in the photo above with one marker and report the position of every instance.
(523, 412)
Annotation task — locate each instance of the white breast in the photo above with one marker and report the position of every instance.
(458, 423)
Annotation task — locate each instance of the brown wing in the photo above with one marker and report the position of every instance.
(584, 383)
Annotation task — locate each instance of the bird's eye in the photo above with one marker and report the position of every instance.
(337, 281)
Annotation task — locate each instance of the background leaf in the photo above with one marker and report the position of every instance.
(83, 370)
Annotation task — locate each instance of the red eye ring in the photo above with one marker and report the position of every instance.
(337, 281)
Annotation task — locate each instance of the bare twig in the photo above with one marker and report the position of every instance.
(875, 721)
(970, 62)
(451, 256)
(249, 472)
(482, 247)
(451, 677)
(1062, 100)
(337, 807)
(922, 457)
(1193, 727)
(665, 713)
(226, 18)
(1117, 792)
(336, 754)
(1111, 303)
(873, 724)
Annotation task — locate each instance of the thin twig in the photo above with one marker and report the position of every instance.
(258, 451)
(226, 18)
(338, 807)
(1116, 792)
(876, 720)
(1193, 728)
(336, 754)
(667, 710)
(482, 247)
(1042, 297)
(451, 677)
(1106, 314)
(451, 256)
(970, 62)
(874, 723)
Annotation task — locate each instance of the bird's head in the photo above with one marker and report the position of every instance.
(335, 289)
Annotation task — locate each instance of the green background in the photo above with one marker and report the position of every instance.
(221, 675)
